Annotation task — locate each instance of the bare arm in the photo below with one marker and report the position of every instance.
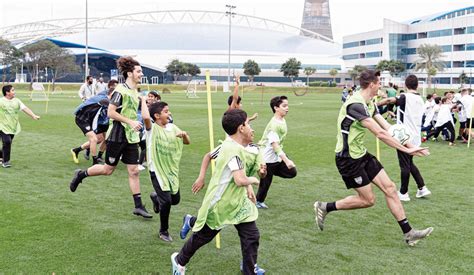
(277, 149)
(382, 122)
(386, 101)
(146, 114)
(242, 180)
(113, 114)
(235, 95)
(384, 136)
(27, 111)
(253, 117)
(185, 137)
(199, 182)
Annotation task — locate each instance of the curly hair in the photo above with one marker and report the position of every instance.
(126, 64)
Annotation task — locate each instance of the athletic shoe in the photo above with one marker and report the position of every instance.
(414, 236)
(261, 205)
(75, 180)
(434, 139)
(320, 209)
(186, 226)
(177, 268)
(100, 161)
(404, 197)
(156, 203)
(87, 154)
(257, 270)
(6, 164)
(141, 211)
(141, 167)
(74, 156)
(459, 138)
(165, 236)
(423, 192)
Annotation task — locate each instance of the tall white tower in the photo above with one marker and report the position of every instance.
(316, 17)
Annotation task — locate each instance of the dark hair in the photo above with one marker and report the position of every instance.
(368, 76)
(390, 84)
(6, 89)
(87, 77)
(276, 102)
(437, 100)
(111, 83)
(444, 99)
(157, 108)
(429, 96)
(155, 94)
(411, 82)
(395, 87)
(446, 93)
(232, 119)
(126, 64)
(229, 100)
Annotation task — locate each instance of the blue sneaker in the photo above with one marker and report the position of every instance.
(186, 226)
(257, 270)
(176, 268)
(261, 205)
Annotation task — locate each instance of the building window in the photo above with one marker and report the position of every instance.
(373, 54)
(408, 36)
(446, 48)
(469, 64)
(350, 45)
(459, 31)
(362, 55)
(470, 29)
(408, 51)
(458, 64)
(470, 47)
(373, 41)
(439, 33)
(350, 56)
(458, 48)
(422, 35)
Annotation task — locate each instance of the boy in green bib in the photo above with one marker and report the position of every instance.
(229, 198)
(164, 143)
(10, 107)
(123, 136)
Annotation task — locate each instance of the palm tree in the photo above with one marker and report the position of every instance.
(309, 71)
(333, 72)
(430, 60)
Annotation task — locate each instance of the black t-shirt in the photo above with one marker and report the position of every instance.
(359, 112)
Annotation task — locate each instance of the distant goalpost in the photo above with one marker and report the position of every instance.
(199, 86)
(38, 93)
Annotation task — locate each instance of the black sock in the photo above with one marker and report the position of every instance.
(100, 154)
(83, 174)
(405, 226)
(137, 199)
(331, 206)
(77, 150)
(94, 160)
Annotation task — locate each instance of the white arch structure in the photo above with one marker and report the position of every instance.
(23, 34)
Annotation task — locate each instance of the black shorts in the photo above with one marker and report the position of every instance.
(468, 123)
(86, 126)
(462, 124)
(128, 152)
(358, 172)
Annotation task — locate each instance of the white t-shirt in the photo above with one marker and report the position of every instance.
(86, 91)
(409, 113)
(466, 101)
(444, 115)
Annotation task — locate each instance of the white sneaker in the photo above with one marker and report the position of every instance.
(177, 268)
(423, 192)
(403, 197)
(141, 167)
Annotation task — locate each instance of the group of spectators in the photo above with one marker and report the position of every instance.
(92, 87)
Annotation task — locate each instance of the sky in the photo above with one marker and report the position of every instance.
(347, 16)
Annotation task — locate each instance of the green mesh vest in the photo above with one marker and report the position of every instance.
(350, 132)
(129, 110)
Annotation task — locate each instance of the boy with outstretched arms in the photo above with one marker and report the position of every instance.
(164, 143)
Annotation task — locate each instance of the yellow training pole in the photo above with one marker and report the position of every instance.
(377, 141)
(211, 134)
(47, 98)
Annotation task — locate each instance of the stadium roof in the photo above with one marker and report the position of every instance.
(442, 15)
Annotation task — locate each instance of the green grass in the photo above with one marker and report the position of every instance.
(45, 228)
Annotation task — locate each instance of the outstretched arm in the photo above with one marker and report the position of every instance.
(146, 114)
(386, 101)
(235, 95)
(30, 113)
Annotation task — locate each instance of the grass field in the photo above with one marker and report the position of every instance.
(44, 228)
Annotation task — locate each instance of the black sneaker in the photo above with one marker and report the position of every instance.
(97, 160)
(165, 236)
(100, 160)
(459, 138)
(87, 154)
(75, 180)
(154, 200)
(141, 211)
(6, 164)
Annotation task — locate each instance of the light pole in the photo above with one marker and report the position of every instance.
(87, 46)
(37, 72)
(229, 13)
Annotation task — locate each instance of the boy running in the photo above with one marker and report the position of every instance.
(164, 149)
(10, 106)
(229, 199)
(359, 168)
(278, 163)
(123, 138)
